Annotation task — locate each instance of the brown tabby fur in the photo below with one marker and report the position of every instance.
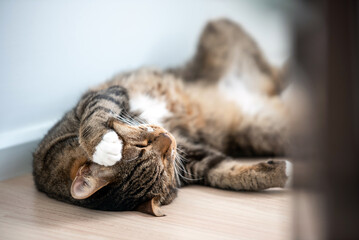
(206, 129)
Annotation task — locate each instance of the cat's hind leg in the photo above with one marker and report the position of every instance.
(226, 53)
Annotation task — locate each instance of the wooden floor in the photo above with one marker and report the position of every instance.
(197, 213)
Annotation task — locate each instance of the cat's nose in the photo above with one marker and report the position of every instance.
(162, 143)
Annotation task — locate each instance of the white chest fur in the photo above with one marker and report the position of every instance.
(153, 110)
(235, 89)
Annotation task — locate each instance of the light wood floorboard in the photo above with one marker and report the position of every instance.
(197, 213)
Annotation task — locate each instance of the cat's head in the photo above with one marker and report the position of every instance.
(143, 179)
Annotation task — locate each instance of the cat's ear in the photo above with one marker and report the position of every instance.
(86, 183)
(150, 207)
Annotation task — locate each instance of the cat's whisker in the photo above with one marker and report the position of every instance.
(180, 176)
(119, 117)
(125, 119)
(135, 121)
(177, 175)
(132, 120)
(141, 121)
(181, 151)
(186, 178)
(176, 172)
(182, 158)
(180, 166)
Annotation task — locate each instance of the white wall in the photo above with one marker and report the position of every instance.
(51, 51)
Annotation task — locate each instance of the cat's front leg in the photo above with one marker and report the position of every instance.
(203, 165)
(236, 175)
(101, 143)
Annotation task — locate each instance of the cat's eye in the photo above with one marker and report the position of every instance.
(143, 145)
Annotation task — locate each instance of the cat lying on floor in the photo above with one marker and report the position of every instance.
(131, 142)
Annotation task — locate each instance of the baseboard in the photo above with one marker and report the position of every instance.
(16, 148)
(17, 160)
(24, 135)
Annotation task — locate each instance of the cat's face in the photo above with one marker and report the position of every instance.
(146, 170)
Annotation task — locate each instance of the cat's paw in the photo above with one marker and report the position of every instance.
(288, 173)
(109, 151)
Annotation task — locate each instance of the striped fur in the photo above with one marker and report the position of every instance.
(200, 135)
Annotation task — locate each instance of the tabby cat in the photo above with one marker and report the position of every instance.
(131, 142)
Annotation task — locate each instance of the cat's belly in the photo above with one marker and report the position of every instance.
(249, 102)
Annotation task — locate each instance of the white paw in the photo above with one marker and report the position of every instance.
(109, 151)
(289, 173)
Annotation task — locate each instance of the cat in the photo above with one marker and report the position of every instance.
(131, 142)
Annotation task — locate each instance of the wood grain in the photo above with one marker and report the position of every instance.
(198, 213)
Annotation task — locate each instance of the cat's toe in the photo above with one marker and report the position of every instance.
(109, 151)
(288, 173)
